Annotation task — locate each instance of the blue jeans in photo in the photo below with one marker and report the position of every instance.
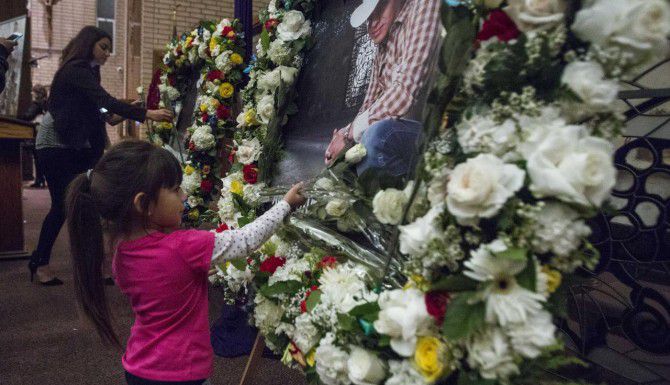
(392, 146)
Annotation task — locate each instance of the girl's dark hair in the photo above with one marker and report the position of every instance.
(81, 46)
(104, 198)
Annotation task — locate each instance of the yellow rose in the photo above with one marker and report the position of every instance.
(554, 278)
(212, 45)
(429, 358)
(194, 215)
(203, 107)
(311, 358)
(226, 90)
(188, 41)
(236, 59)
(236, 187)
(250, 117)
(188, 170)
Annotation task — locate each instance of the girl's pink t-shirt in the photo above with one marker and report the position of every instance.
(165, 278)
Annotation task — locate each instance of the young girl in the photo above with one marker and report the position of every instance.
(135, 190)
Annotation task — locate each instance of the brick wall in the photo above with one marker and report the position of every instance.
(69, 16)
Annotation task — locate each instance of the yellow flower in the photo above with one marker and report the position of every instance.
(236, 187)
(203, 107)
(226, 90)
(194, 215)
(311, 358)
(250, 117)
(188, 170)
(227, 265)
(554, 278)
(236, 59)
(206, 169)
(230, 34)
(188, 41)
(429, 358)
(212, 45)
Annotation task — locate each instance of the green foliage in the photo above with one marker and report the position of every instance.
(313, 300)
(527, 278)
(284, 287)
(239, 263)
(462, 317)
(455, 283)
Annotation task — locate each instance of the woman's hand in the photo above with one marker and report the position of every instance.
(337, 144)
(294, 196)
(160, 115)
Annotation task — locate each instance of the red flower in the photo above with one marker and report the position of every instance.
(222, 227)
(303, 306)
(250, 173)
(327, 261)
(270, 24)
(226, 31)
(204, 117)
(191, 146)
(436, 305)
(271, 264)
(154, 95)
(223, 111)
(214, 75)
(303, 303)
(499, 25)
(231, 155)
(206, 186)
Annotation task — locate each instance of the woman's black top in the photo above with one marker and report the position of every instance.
(75, 101)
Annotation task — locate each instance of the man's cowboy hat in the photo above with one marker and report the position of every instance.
(361, 14)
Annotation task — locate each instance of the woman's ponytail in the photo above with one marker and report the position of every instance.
(87, 246)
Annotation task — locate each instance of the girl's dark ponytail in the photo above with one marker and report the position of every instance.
(86, 242)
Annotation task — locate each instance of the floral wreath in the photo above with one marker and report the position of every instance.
(487, 238)
(214, 51)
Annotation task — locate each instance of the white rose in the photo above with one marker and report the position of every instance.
(388, 205)
(587, 80)
(355, 154)
(203, 139)
(641, 25)
(403, 317)
(415, 237)
(480, 187)
(337, 207)
(365, 368)
(572, 166)
(266, 108)
(536, 15)
(293, 26)
(269, 81)
(248, 151)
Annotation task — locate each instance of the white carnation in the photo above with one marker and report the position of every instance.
(490, 354)
(344, 287)
(305, 335)
(280, 52)
(337, 207)
(248, 151)
(203, 139)
(404, 373)
(480, 133)
(190, 183)
(292, 270)
(388, 205)
(331, 362)
(223, 62)
(415, 237)
(237, 279)
(559, 230)
(293, 26)
(266, 314)
(531, 337)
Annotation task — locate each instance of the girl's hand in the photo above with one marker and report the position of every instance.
(294, 196)
(160, 115)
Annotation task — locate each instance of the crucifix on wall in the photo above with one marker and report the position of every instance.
(48, 6)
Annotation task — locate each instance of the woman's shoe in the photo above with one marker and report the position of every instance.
(33, 266)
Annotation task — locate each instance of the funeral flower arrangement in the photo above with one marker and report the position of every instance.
(519, 156)
(267, 98)
(213, 56)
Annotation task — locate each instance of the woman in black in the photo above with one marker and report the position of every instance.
(75, 138)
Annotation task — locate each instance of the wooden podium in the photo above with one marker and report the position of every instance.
(12, 132)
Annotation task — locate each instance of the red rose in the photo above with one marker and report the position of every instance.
(270, 24)
(222, 227)
(436, 305)
(223, 111)
(327, 261)
(303, 306)
(191, 146)
(271, 264)
(499, 25)
(226, 31)
(214, 75)
(204, 117)
(250, 173)
(206, 186)
(154, 95)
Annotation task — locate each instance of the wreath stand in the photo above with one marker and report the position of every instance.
(254, 358)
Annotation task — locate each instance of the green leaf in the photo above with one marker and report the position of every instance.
(265, 39)
(313, 300)
(527, 277)
(280, 288)
(346, 322)
(243, 221)
(468, 378)
(364, 309)
(384, 341)
(514, 253)
(463, 318)
(455, 283)
(239, 263)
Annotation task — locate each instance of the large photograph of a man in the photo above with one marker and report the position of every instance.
(406, 34)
